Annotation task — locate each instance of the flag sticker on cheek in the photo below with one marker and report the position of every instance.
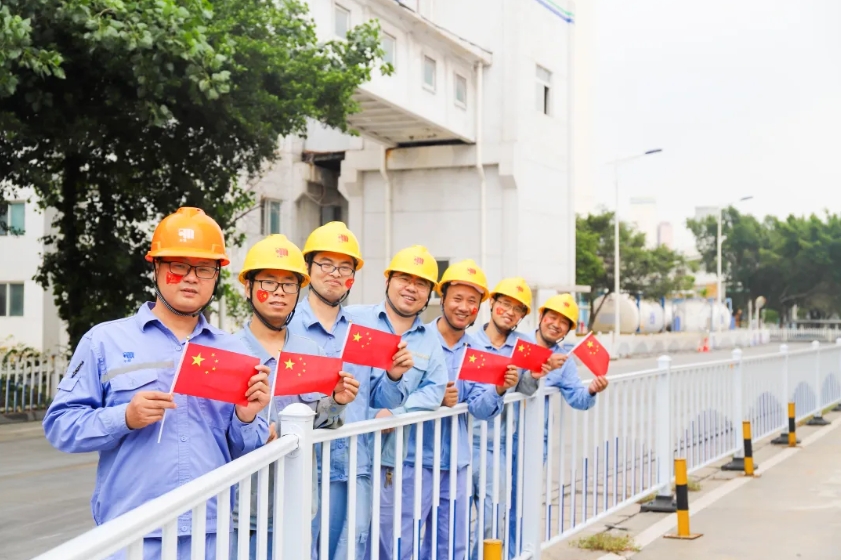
(173, 278)
(262, 296)
(349, 283)
(474, 311)
(500, 311)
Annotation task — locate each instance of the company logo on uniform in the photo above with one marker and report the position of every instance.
(186, 234)
(281, 252)
(471, 271)
(418, 261)
(520, 289)
(128, 356)
(343, 238)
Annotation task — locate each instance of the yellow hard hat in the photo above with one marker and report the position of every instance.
(563, 304)
(275, 253)
(415, 260)
(465, 272)
(516, 288)
(334, 237)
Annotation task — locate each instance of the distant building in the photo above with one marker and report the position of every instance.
(665, 235)
(644, 218)
(702, 212)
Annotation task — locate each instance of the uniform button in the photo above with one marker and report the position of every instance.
(183, 438)
(183, 528)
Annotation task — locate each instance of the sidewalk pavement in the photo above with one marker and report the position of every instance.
(792, 511)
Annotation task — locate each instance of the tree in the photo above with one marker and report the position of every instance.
(115, 113)
(651, 273)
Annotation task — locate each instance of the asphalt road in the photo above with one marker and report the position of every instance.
(45, 494)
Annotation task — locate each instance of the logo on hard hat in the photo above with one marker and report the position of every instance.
(566, 304)
(471, 271)
(520, 288)
(281, 252)
(343, 238)
(418, 261)
(186, 234)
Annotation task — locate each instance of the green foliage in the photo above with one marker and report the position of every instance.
(652, 273)
(796, 261)
(117, 112)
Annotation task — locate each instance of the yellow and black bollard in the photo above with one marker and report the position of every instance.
(748, 449)
(682, 498)
(792, 437)
(492, 549)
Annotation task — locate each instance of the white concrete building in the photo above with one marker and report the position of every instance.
(665, 235)
(466, 149)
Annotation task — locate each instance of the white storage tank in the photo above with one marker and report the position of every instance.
(629, 317)
(652, 317)
(700, 315)
(669, 315)
(721, 317)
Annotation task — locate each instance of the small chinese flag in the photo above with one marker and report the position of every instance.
(529, 356)
(370, 347)
(305, 373)
(215, 374)
(483, 367)
(593, 355)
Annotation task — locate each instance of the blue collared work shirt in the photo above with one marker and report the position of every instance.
(113, 362)
(425, 382)
(376, 390)
(483, 403)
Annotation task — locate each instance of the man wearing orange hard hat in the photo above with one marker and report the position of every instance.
(118, 383)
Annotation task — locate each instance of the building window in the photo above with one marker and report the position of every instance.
(544, 90)
(461, 91)
(341, 23)
(271, 217)
(12, 218)
(429, 70)
(11, 300)
(389, 49)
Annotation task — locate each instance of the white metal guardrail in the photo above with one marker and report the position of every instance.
(28, 381)
(596, 462)
(801, 334)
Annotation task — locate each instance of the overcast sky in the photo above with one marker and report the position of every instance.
(744, 97)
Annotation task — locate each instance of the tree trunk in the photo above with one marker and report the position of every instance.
(68, 238)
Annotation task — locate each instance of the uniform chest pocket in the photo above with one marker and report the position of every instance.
(415, 375)
(311, 397)
(125, 386)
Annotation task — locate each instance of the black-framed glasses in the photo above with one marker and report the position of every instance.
(330, 268)
(183, 269)
(271, 286)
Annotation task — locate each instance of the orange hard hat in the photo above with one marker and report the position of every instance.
(189, 232)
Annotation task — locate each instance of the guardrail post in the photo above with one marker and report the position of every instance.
(533, 527)
(663, 501)
(295, 531)
(817, 418)
(838, 406)
(738, 462)
(782, 439)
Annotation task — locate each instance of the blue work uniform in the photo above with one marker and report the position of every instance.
(328, 414)
(484, 403)
(376, 390)
(425, 384)
(113, 362)
(482, 342)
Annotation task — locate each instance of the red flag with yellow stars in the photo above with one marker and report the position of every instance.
(370, 347)
(215, 374)
(529, 356)
(305, 373)
(593, 355)
(483, 367)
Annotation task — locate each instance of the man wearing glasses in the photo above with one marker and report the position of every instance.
(118, 382)
(332, 258)
(510, 303)
(273, 274)
(410, 278)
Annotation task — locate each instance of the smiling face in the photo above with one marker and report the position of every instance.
(408, 293)
(553, 325)
(180, 284)
(507, 312)
(274, 293)
(461, 305)
(331, 274)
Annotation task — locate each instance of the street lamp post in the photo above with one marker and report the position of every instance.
(615, 164)
(719, 240)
